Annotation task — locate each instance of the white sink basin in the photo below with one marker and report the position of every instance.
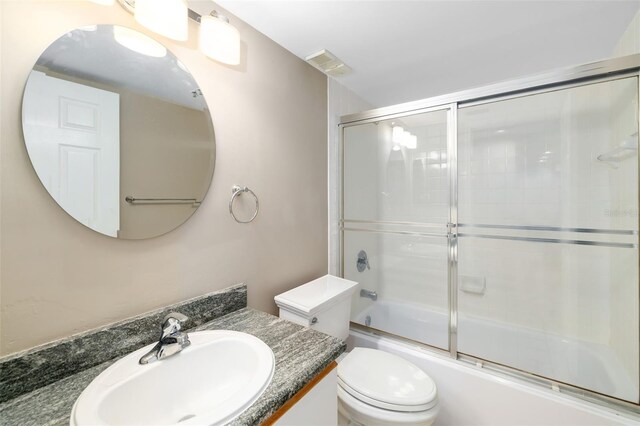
(209, 383)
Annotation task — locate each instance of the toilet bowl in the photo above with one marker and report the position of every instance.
(375, 388)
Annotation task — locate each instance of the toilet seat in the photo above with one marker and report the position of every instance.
(386, 381)
(383, 404)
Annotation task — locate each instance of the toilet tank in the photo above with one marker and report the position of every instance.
(323, 304)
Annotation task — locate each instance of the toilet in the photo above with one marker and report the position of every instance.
(374, 387)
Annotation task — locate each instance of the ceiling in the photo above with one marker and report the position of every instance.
(407, 50)
(93, 54)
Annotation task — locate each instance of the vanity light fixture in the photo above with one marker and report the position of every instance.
(401, 137)
(397, 135)
(406, 137)
(412, 141)
(104, 2)
(169, 18)
(219, 40)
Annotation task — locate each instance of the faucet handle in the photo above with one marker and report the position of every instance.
(171, 324)
(175, 315)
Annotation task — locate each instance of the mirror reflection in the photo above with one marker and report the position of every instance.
(118, 132)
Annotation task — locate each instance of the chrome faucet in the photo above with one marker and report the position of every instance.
(369, 294)
(172, 340)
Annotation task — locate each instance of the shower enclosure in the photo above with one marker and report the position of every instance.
(501, 225)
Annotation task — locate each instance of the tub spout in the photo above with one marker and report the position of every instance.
(369, 294)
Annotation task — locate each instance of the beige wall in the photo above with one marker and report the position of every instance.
(178, 140)
(58, 277)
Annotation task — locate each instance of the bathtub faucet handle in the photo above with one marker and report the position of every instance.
(363, 261)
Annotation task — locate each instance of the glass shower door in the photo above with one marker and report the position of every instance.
(548, 243)
(396, 198)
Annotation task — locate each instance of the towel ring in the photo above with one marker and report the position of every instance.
(237, 190)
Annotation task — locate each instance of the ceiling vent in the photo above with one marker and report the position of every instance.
(327, 62)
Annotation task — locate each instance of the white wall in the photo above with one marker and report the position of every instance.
(629, 43)
(270, 121)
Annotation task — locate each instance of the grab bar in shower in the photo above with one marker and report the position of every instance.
(132, 200)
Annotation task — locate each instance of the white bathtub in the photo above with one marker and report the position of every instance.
(472, 396)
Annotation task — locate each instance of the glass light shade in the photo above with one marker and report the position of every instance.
(412, 141)
(405, 139)
(169, 18)
(219, 40)
(138, 42)
(396, 134)
(103, 2)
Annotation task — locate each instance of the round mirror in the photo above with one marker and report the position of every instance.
(118, 132)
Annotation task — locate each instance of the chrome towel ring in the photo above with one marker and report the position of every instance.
(237, 190)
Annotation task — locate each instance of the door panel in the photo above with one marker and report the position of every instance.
(78, 126)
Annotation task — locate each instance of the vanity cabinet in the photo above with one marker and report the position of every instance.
(316, 404)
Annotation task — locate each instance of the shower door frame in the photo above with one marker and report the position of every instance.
(596, 72)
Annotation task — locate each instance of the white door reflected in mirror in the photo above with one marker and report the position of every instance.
(73, 139)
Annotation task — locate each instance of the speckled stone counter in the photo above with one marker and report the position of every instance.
(300, 354)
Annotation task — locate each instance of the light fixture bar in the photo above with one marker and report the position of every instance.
(218, 39)
(130, 5)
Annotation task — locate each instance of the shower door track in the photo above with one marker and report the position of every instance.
(607, 70)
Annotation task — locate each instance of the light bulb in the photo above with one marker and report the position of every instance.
(412, 142)
(169, 18)
(396, 134)
(219, 40)
(406, 136)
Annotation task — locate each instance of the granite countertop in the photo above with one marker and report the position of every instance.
(300, 353)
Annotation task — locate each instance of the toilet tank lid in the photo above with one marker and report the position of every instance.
(316, 295)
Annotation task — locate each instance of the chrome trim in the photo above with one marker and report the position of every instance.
(638, 223)
(133, 200)
(172, 339)
(130, 6)
(362, 263)
(452, 252)
(592, 70)
(382, 231)
(546, 89)
(341, 197)
(551, 228)
(379, 222)
(236, 190)
(372, 331)
(377, 119)
(552, 240)
(369, 294)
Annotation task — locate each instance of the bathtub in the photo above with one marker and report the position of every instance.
(470, 395)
